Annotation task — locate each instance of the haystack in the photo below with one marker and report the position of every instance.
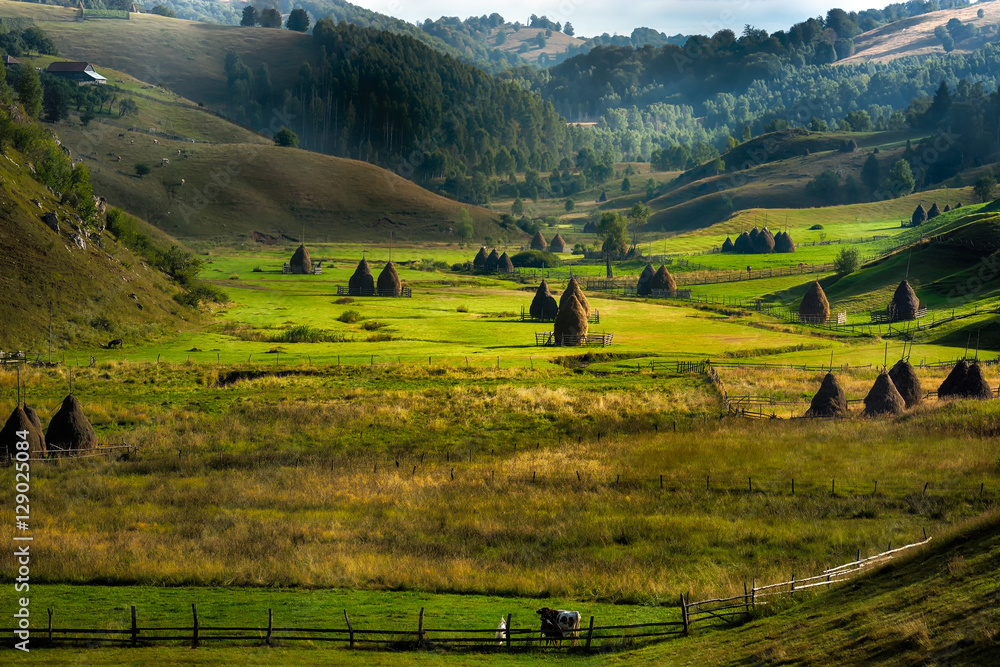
(814, 304)
(754, 233)
(557, 244)
(504, 265)
(955, 380)
(491, 261)
(662, 280)
(300, 263)
(362, 283)
(479, 262)
(573, 289)
(36, 421)
(19, 421)
(571, 320)
(538, 242)
(727, 245)
(388, 281)
(933, 212)
(764, 243)
(829, 401)
(743, 245)
(70, 428)
(642, 288)
(947, 207)
(919, 215)
(883, 399)
(975, 385)
(590, 228)
(904, 304)
(543, 306)
(783, 242)
(907, 383)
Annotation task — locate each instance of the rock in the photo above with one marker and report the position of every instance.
(36, 203)
(52, 220)
(80, 242)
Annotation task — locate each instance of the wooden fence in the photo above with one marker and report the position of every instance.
(595, 317)
(405, 293)
(547, 338)
(122, 451)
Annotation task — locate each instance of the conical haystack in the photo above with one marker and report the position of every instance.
(904, 304)
(919, 215)
(573, 288)
(362, 283)
(571, 321)
(905, 379)
(389, 283)
(829, 401)
(36, 421)
(642, 287)
(933, 212)
(947, 207)
(662, 280)
(743, 245)
(19, 421)
(764, 243)
(504, 265)
(479, 261)
(543, 306)
(70, 428)
(814, 307)
(491, 261)
(727, 245)
(955, 380)
(557, 244)
(754, 233)
(783, 242)
(538, 242)
(300, 262)
(975, 385)
(884, 399)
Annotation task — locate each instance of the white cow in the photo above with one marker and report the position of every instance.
(501, 635)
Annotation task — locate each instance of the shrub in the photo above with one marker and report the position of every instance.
(344, 300)
(306, 334)
(463, 309)
(816, 227)
(847, 261)
(379, 337)
(349, 316)
(234, 276)
(372, 325)
(536, 259)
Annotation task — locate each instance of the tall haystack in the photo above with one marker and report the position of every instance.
(662, 280)
(904, 304)
(362, 283)
(571, 320)
(491, 261)
(573, 289)
(727, 245)
(543, 306)
(919, 216)
(642, 288)
(947, 207)
(764, 243)
(933, 212)
(783, 242)
(557, 244)
(829, 401)
(883, 399)
(504, 265)
(70, 428)
(300, 263)
(975, 385)
(905, 379)
(389, 283)
(538, 242)
(479, 262)
(956, 378)
(743, 245)
(814, 304)
(36, 421)
(754, 233)
(19, 421)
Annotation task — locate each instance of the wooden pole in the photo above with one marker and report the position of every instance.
(270, 626)
(350, 630)
(194, 632)
(590, 632)
(50, 625)
(420, 627)
(135, 631)
(508, 631)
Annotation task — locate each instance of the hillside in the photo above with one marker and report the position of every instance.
(915, 36)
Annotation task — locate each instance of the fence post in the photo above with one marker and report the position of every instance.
(746, 597)
(135, 632)
(350, 630)
(270, 626)
(753, 592)
(50, 625)
(684, 614)
(194, 631)
(508, 631)
(590, 632)
(420, 627)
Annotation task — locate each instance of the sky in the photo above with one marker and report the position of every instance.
(595, 17)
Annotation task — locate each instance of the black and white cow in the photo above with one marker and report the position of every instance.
(557, 624)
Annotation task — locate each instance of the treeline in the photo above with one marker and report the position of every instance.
(387, 99)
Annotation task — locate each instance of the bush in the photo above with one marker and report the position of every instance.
(349, 316)
(379, 338)
(463, 309)
(816, 227)
(847, 261)
(372, 325)
(344, 300)
(306, 334)
(579, 249)
(536, 259)
(460, 266)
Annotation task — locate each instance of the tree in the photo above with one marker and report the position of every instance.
(570, 205)
(127, 107)
(464, 228)
(517, 208)
(984, 188)
(870, 172)
(626, 185)
(29, 90)
(163, 10)
(568, 28)
(269, 18)
(825, 187)
(847, 261)
(286, 137)
(612, 230)
(36, 40)
(818, 125)
(298, 20)
(249, 19)
(141, 168)
(900, 181)
(55, 98)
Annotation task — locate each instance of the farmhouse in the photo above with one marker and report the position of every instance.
(83, 74)
(10, 60)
